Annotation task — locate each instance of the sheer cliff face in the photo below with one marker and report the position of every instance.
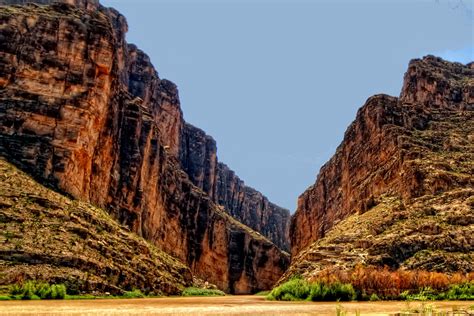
(87, 113)
(199, 159)
(410, 158)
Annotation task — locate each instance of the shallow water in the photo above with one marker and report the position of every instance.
(228, 305)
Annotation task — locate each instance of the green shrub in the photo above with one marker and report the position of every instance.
(332, 292)
(43, 290)
(298, 289)
(374, 297)
(28, 292)
(193, 291)
(293, 290)
(405, 296)
(133, 294)
(459, 292)
(15, 289)
(464, 291)
(32, 290)
(58, 291)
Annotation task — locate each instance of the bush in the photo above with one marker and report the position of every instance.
(44, 291)
(28, 292)
(374, 297)
(32, 290)
(297, 289)
(293, 290)
(193, 291)
(58, 291)
(332, 292)
(460, 292)
(133, 294)
(464, 291)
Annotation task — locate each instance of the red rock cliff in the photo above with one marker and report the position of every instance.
(381, 153)
(86, 113)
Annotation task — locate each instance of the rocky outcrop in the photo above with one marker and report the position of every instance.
(90, 5)
(399, 189)
(198, 155)
(87, 114)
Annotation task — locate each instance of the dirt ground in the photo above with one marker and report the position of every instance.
(228, 305)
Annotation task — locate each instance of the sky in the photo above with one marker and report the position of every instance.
(277, 83)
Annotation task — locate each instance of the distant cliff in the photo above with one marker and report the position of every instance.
(86, 113)
(399, 190)
(198, 155)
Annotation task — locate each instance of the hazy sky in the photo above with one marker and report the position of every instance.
(276, 83)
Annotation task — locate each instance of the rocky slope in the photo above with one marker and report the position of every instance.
(47, 236)
(400, 189)
(86, 113)
(198, 156)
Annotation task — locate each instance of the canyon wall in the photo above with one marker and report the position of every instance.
(198, 155)
(416, 149)
(86, 113)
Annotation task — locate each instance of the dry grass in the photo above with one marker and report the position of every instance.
(388, 283)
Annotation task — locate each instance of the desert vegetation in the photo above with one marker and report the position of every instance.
(298, 289)
(32, 290)
(371, 283)
(37, 290)
(194, 291)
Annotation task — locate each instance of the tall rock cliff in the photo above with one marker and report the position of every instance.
(198, 155)
(86, 113)
(399, 190)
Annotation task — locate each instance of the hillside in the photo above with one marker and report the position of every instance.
(399, 191)
(50, 237)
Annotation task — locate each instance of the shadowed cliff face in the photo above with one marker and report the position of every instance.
(85, 112)
(408, 158)
(198, 155)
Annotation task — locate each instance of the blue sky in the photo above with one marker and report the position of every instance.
(276, 83)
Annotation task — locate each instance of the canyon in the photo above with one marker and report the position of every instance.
(107, 188)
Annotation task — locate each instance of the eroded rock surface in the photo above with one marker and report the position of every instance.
(198, 155)
(89, 5)
(399, 190)
(86, 113)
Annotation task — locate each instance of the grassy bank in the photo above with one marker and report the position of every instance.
(375, 284)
